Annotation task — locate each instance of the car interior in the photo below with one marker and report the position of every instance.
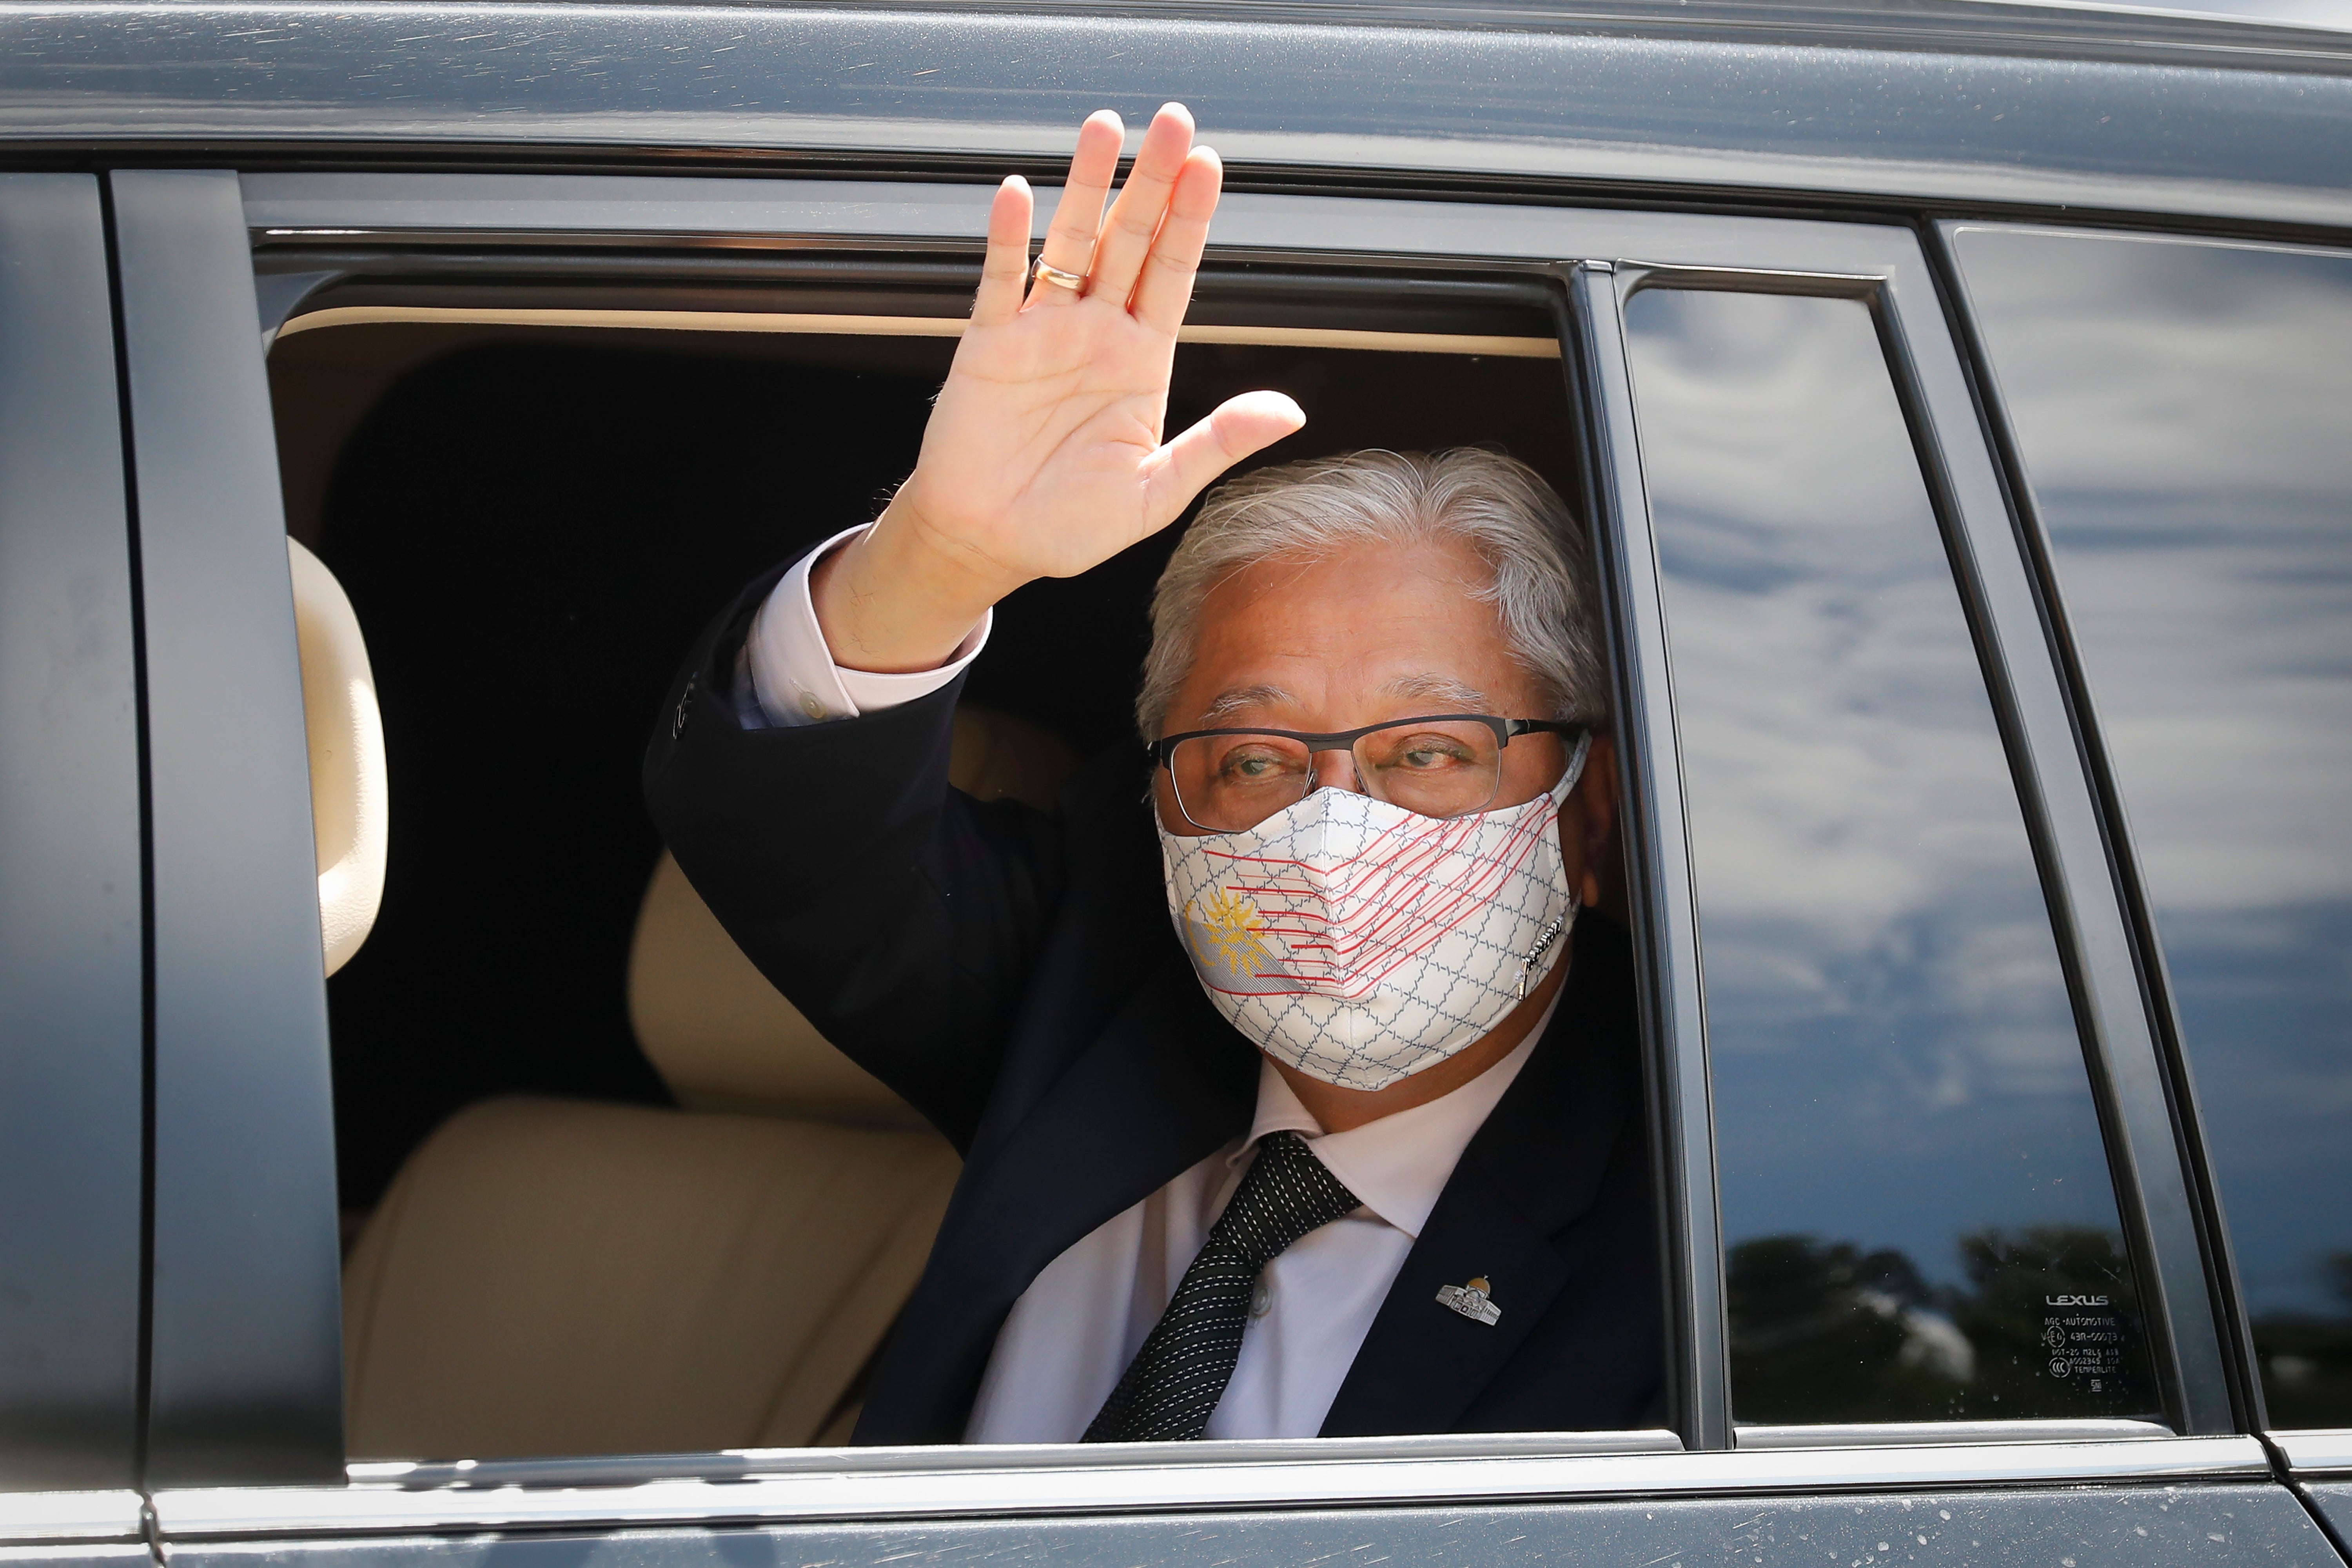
(604, 1190)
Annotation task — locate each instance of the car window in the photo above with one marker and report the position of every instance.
(1918, 1220)
(531, 1179)
(2180, 410)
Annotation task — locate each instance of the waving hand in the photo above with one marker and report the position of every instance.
(1043, 456)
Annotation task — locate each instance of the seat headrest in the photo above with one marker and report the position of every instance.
(725, 1039)
(349, 811)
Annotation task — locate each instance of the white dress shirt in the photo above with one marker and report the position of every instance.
(1072, 1333)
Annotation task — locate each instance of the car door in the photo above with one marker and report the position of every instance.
(244, 1454)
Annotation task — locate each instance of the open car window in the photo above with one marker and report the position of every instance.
(709, 1256)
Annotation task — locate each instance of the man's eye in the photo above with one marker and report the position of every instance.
(1424, 757)
(1250, 767)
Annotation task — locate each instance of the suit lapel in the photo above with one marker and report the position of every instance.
(1111, 939)
(1163, 1086)
(1532, 1168)
(1422, 1362)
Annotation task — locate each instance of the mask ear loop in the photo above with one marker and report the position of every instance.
(1560, 923)
(1568, 780)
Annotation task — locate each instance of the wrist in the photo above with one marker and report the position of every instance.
(893, 601)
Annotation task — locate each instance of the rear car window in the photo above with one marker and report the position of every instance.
(2179, 409)
(544, 1106)
(1918, 1219)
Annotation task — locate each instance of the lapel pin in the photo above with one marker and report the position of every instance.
(1472, 1300)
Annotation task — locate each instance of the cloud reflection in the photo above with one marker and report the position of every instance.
(2181, 406)
(1896, 1058)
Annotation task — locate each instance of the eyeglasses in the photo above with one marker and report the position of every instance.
(1448, 765)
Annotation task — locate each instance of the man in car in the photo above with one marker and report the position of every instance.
(1294, 1073)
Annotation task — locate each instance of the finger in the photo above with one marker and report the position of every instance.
(1070, 239)
(1184, 466)
(1005, 272)
(1142, 202)
(1165, 287)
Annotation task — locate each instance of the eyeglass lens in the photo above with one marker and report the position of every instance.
(1439, 768)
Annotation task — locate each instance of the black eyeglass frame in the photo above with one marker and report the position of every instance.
(1163, 750)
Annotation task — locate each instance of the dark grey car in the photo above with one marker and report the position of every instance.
(1960, 396)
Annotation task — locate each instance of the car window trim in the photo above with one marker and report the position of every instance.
(1879, 1433)
(31, 1519)
(1487, 344)
(73, 1050)
(2315, 1452)
(1657, 848)
(878, 1484)
(244, 1334)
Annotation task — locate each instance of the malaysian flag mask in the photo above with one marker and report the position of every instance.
(1360, 942)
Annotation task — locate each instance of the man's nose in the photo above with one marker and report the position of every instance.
(1335, 770)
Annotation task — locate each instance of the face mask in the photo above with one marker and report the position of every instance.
(1358, 941)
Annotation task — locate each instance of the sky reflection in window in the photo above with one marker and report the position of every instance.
(1911, 1164)
(2185, 415)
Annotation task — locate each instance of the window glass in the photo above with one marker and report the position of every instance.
(2181, 409)
(1918, 1220)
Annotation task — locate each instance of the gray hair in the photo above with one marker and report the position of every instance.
(1543, 589)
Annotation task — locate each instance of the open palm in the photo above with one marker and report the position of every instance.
(1043, 456)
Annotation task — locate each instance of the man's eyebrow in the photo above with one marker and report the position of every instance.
(1229, 703)
(1455, 696)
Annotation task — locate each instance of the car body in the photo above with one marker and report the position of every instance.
(184, 182)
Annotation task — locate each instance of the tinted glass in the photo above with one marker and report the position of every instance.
(1918, 1222)
(2185, 416)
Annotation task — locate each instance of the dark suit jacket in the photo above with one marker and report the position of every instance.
(1016, 978)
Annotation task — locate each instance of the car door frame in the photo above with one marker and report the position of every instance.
(261, 1314)
(72, 1040)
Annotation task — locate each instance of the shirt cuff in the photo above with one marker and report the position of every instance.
(792, 672)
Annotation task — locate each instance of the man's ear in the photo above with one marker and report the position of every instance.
(1596, 797)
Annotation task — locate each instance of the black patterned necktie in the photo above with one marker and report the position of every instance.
(1172, 1385)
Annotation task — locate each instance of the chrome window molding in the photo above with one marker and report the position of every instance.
(1486, 345)
(882, 1484)
(28, 1518)
(1872, 1435)
(2323, 1452)
(737, 1463)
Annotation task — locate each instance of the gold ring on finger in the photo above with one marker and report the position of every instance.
(1075, 282)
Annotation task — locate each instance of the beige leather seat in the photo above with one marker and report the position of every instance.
(549, 1277)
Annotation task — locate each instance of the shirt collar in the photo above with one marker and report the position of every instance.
(1398, 1166)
